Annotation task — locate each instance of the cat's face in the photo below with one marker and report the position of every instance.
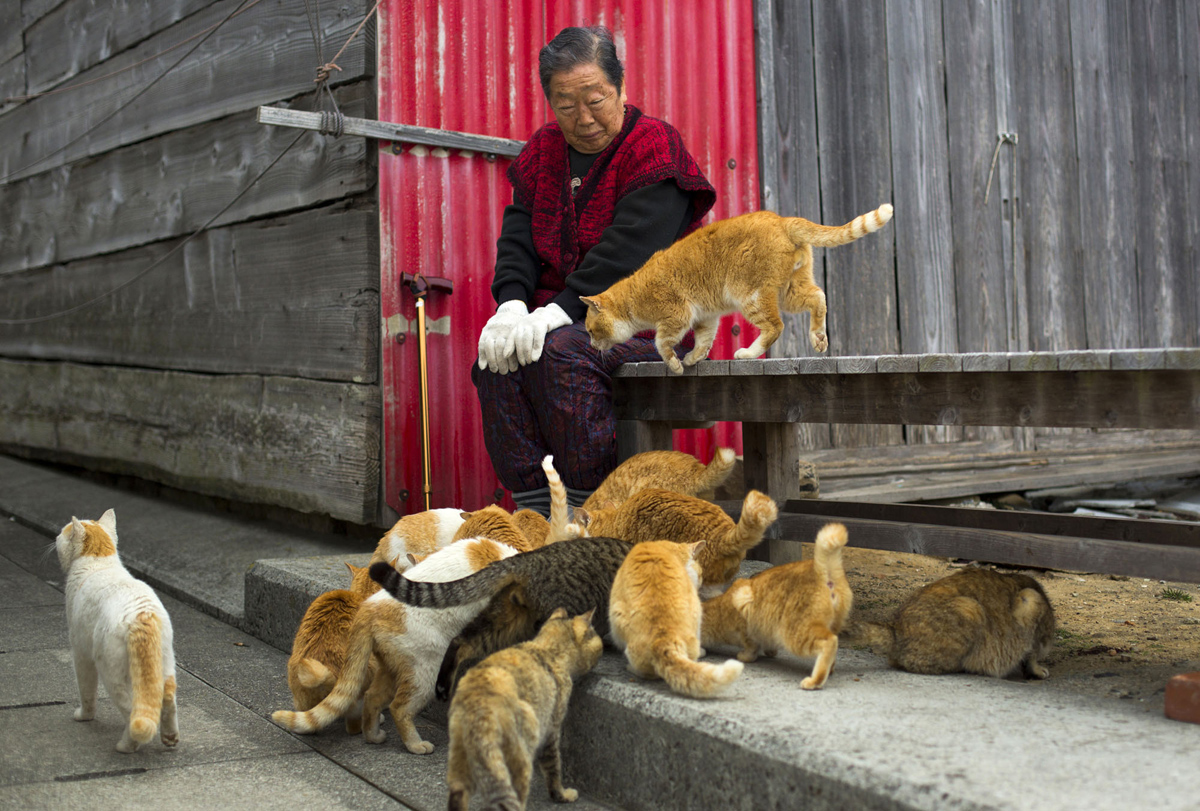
(604, 329)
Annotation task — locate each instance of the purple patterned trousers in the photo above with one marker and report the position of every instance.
(561, 405)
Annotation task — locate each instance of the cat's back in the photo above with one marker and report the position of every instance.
(576, 575)
(421, 534)
(667, 470)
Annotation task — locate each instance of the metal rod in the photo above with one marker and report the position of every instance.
(426, 460)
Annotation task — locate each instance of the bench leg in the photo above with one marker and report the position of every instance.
(636, 436)
(771, 461)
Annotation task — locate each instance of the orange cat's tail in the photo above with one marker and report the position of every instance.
(145, 647)
(560, 527)
(696, 679)
(351, 684)
(878, 636)
(313, 674)
(758, 513)
(827, 556)
(718, 470)
(802, 231)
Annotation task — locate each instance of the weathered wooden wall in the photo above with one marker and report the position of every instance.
(1084, 235)
(245, 365)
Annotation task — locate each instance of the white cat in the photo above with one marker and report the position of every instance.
(119, 632)
(410, 643)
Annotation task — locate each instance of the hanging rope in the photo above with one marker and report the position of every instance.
(1002, 138)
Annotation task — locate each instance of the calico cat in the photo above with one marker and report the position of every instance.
(120, 634)
(654, 514)
(655, 616)
(319, 649)
(756, 263)
(421, 533)
(667, 470)
(522, 592)
(509, 710)
(799, 606)
(975, 621)
(409, 643)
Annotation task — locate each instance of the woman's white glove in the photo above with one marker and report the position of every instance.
(530, 333)
(496, 340)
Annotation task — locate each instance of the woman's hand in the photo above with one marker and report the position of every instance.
(529, 336)
(497, 339)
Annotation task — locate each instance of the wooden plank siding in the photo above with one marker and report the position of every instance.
(246, 364)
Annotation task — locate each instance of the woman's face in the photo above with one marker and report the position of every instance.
(589, 109)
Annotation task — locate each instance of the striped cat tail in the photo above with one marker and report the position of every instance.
(351, 684)
(559, 513)
(482, 584)
(758, 513)
(697, 679)
(880, 637)
(144, 644)
(802, 231)
(827, 556)
(717, 471)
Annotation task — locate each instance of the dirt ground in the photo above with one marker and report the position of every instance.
(1118, 638)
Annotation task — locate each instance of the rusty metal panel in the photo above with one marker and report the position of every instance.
(472, 67)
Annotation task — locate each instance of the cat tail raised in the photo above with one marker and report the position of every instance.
(145, 647)
(827, 556)
(717, 471)
(559, 512)
(350, 686)
(697, 679)
(758, 513)
(483, 584)
(802, 231)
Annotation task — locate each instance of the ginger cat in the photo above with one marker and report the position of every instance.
(319, 649)
(495, 522)
(974, 621)
(509, 709)
(667, 470)
(654, 613)
(420, 534)
(756, 263)
(799, 606)
(409, 643)
(120, 634)
(654, 514)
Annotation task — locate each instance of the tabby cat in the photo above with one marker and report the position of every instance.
(654, 514)
(494, 522)
(509, 710)
(975, 621)
(409, 643)
(655, 618)
(522, 592)
(756, 263)
(667, 470)
(420, 534)
(319, 649)
(799, 606)
(120, 634)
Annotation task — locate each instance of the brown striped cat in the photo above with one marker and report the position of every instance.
(120, 635)
(756, 263)
(667, 470)
(974, 621)
(654, 613)
(510, 708)
(495, 522)
(654, 515)
(800, 607)
(319, 648)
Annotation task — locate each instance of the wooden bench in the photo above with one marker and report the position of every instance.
(1153, 388)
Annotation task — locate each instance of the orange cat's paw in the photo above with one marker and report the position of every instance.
(420, 747)
(746, 353)
(820, 341)
(675, 366)
(812, 683)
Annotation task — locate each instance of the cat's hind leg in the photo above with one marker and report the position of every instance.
(706, 334)
(169, 728)
(761, 310)
(550, 762)
(410, 698)
(826, 644)
(88, 679)
(380, 691)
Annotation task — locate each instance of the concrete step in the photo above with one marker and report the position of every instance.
(874, 738)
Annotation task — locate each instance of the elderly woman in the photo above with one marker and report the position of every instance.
(595, 193)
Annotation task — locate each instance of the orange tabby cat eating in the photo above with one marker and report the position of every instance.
(756, 264)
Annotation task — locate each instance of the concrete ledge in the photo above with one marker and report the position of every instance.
(279, 591)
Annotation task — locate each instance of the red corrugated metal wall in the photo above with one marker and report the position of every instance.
(472, 67)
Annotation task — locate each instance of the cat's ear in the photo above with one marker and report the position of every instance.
(108, 522)
(586, 619)
(517, 596)
(592, 303)
(396, 563)
(697, 548)
(414, 558)
(580, 516)
(558, 613)
(353, 569)
(464, 515)
(77, 530)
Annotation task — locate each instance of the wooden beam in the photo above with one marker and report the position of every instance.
(387, 131)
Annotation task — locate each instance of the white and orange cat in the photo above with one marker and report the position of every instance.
(319, 648)
(667, 470)
(800, 607)
(420, 534)
(409, 642)
(120, 634)
(756, 264)
(654, 614)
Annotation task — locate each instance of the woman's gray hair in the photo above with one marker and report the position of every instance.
(574, 46)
